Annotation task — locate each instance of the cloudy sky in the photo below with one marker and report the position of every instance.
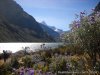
(58, 13)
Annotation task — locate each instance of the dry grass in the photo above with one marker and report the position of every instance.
(1, 62)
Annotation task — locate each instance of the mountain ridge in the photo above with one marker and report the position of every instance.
(49, 31)
(52, 31)
(18, 25)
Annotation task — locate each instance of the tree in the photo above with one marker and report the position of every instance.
(6, 55)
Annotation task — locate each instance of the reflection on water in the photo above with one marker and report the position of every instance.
(33, 46)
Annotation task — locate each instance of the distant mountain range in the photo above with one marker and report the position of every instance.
(59, 31)
(56, 29)
(18, 26)
(51, 31)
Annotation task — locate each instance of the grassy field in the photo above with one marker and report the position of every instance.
(1, 62)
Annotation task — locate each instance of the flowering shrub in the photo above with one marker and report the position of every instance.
(86, 33)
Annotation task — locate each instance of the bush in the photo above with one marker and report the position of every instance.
(5, 69)
(27, 61)
(14, 63)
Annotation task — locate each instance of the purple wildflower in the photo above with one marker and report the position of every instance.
(31, 71)
(98, 14)
(76, 24)
(67, 66)
(27, 69)
(40, 72)
(93, 9)
(82, 13)
(22, 71)
(91, 19)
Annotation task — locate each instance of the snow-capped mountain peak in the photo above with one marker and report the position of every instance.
(53, 28)
(58, 30)
(43, 22)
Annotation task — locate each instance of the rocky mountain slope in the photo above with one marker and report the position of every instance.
(47, 29)
(18, 26)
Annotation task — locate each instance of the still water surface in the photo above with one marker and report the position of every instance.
(33, 46)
